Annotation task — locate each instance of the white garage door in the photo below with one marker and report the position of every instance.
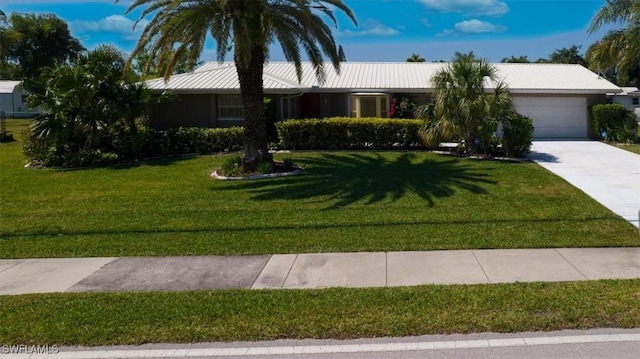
(555, 117)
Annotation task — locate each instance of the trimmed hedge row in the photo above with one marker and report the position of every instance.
(126, 146)
(347, 133)
(183, 140)
(338, 133)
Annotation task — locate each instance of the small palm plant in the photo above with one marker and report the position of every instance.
(463, 107)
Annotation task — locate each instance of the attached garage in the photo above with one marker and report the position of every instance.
(555, 117)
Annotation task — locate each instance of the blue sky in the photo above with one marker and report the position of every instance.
(389, 30)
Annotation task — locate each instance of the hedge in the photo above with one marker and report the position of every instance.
(346, 133)
(125, 146)
(613, 122)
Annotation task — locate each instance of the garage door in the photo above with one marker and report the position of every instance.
(555, 117)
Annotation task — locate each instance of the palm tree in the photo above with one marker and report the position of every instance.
(415, 58)
(463, 107)
(179, 29)
(620, 48)
(82, 99)
(516, 60)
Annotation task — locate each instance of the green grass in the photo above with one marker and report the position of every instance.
(633, 147)
(367, 201)
(136, 318)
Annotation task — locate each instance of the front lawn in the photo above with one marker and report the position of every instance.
(205, 316)
(631, 147)
(365, 201)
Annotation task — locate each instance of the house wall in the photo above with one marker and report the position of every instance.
(13, 104)
(201, 110)
(333, 105)
(6, 102)
(321, 105)
(626, 101)
(418, 98)
(289, 107)
(197, 110)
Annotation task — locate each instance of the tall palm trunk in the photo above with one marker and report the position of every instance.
(255, 124)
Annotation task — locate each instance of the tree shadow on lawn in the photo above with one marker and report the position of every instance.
(341, 180)
(160, 161)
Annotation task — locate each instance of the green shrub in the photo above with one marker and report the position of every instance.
(517, 135)
(287, 162)
(184, 140)
(402, 107)
(223, 139)
(346, 133)
(612, 122)
(264, 167)
(65, 155)
(124, 145)
(232, 166)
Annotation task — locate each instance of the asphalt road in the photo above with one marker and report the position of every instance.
(600, 343)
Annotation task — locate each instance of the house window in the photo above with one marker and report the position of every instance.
(369, 105)
(230, 107)
(635, 101)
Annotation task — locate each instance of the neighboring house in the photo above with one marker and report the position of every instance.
(13, 100)
(555, 96)
(629, 98)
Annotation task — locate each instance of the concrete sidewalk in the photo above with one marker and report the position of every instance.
(320, 270)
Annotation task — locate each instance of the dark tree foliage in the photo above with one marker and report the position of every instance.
(565, 55)
(36, 41)
(516, 60)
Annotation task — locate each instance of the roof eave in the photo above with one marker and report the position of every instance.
(562, 91)
(206, 91)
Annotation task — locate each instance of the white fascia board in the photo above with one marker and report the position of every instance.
(543, 92)
(222, 91)
(367, 90)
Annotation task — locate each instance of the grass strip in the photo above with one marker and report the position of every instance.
(631, 147)
(185, 317)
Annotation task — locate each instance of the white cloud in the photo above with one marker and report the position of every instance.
(425, 22)
(447, 32)
(113, 23)
(494, 8)
(370, 27)
(475, 26)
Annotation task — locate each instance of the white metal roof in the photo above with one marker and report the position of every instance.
(8, 86)
(627, 91)
(280, 77)
(630, 91)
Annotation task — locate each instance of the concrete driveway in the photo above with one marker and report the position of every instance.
(608, 174)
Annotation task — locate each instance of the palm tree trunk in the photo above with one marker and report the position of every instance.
(255, 125)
